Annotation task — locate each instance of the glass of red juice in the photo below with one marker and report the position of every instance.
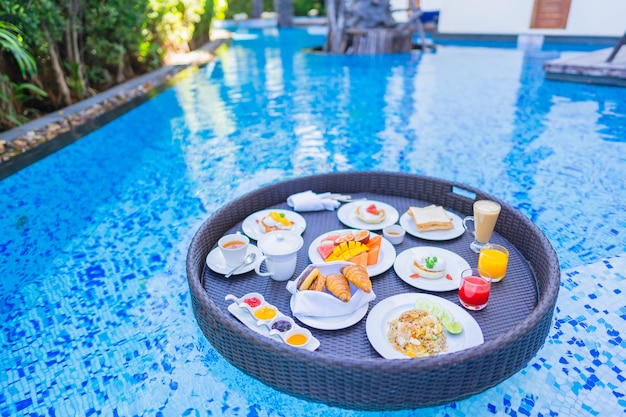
(475, 288)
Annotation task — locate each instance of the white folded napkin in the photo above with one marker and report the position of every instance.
(309, 201)
(324, 304)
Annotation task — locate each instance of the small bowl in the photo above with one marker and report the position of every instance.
(296, 337)
(263, 313)
(252, 299)
(394, 234)
(280, 324)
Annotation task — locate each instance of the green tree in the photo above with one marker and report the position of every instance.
(82, 47)
(14, 94)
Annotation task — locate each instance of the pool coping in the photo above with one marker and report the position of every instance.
(42, 137)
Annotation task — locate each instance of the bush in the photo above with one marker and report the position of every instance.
(81, 47)
(301, 7)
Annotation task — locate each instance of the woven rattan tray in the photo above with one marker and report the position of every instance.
(346, 371)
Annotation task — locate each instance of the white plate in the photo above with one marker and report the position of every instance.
(216, 261)
(454, 266)
(391, 308)
(251, 228)
(409, 225)
(249, 321)
(332, 323)
(347, 215)
(386, 255)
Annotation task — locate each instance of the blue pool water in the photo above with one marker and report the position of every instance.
(95, 313)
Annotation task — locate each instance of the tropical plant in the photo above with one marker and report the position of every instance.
(13, 95)
(227, 9)
(81, 47)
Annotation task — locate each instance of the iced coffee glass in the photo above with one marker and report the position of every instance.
(486, 214)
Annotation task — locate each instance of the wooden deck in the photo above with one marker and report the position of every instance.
(590, 68)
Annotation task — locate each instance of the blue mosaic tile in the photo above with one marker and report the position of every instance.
(96, 316)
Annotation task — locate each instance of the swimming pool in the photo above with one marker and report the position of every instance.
(96, 313)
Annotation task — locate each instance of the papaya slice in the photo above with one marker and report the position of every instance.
(374, 242)
(372, 256)
(360, 259)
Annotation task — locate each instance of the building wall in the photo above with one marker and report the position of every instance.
(512, 17)
(430, 5)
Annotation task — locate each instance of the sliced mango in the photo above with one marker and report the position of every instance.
(280, 218)
(346, 250)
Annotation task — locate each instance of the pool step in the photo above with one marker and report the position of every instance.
(590, 68)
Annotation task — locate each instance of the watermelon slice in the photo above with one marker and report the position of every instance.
(325, 250)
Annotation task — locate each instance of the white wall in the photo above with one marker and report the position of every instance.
(511, 17)
(598, 17)
(430, 5)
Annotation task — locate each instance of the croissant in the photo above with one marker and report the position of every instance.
(358, 275)
(305, 284)
(318, 283)
(338, 285)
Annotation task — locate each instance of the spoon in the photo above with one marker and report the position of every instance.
(247, 261)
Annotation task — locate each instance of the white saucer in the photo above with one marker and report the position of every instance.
(408, 224)
(216, 261)
(250, 224)
(347, 215)
(332, 323)
(452, 281)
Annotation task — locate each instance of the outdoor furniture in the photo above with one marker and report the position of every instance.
(345, 371)
(621, 42)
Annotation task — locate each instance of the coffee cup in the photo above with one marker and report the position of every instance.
(486, 214)
(234, 248)
(280, 254)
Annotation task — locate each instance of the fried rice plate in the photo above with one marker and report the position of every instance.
(417, 333)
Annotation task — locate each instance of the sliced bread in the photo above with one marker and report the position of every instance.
(430, 218)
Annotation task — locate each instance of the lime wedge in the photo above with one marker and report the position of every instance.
(436, 310)
(446, 317)
(453, 327)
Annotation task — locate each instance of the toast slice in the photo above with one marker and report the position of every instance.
(430, 218)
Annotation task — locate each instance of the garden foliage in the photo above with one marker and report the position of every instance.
(56, 52)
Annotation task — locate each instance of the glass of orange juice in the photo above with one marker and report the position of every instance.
(494, 259)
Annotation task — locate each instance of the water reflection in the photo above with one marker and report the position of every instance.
(479, 115)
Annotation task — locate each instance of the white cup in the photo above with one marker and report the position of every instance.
(234, 248)
(394, 234)
(280, 253)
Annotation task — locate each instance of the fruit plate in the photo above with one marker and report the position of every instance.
(377, 324)
(347, 215)
(455, 264)
(386, 255)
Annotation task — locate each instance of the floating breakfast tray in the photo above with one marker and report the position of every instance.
(346, 371)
